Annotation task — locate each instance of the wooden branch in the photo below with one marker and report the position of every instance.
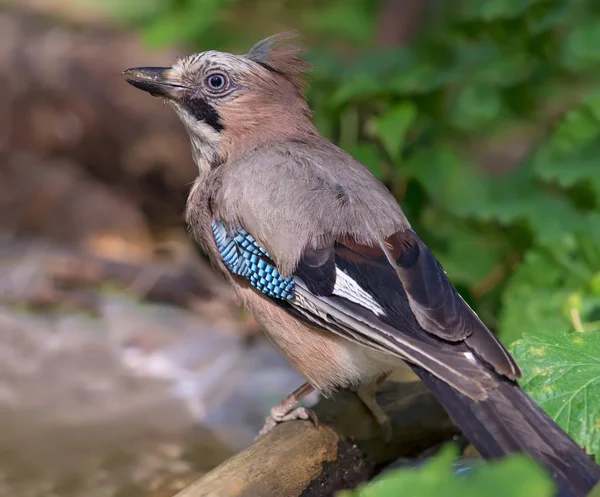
(296, 458)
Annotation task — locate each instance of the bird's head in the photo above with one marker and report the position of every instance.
(232, 103)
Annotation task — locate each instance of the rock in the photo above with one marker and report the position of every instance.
(142, 397)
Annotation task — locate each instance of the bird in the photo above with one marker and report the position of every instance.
(321, 253)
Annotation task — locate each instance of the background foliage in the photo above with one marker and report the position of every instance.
(516, 476)
(486, 127)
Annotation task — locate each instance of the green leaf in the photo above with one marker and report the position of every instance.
(581, 48)
(538, 295)
(449, 182)
(549, 217)
(572, 152)
(475, 106)
(493, 64)
(357, 26)
(518, 198)
(561, 372)
(515, 199)
(517, 476)
(360, 87)
(592, 103)
(393, 125)
(467, 255)
(391, 73)
(572, 168)
(547, 17)
(595, 491)
(495, 9)
(595, 284)
(526, 310)
(471, 257)
(421, 77)
(186, 22)
(590, 233)
(507, 70)
(534, 298)
(578, 128)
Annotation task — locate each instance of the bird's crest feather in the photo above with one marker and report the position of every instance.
(280, 54)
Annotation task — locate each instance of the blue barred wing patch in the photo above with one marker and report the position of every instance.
(243, 256)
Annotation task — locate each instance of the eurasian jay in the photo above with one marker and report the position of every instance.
(322, 255)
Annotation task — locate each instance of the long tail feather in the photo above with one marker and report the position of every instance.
(509, 421)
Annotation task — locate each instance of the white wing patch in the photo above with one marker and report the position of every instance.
(346, 287)
(308, 305)
(470, 357)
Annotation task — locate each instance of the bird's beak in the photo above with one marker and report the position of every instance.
(154, 80)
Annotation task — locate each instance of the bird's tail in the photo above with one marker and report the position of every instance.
(509, 421)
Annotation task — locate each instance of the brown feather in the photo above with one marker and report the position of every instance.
(327, 361)
(280, 53)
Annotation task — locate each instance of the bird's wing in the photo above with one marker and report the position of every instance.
(323, 232)
(399, 285)
(292, 196)
(393, 298)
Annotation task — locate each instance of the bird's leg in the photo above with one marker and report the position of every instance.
(285, 411)
(366, 393)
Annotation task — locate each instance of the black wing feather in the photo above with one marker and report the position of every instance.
(424, 321)
(428, 324)
(438, 307)
(396, 331)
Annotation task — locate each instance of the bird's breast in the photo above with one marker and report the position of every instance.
(327, 361)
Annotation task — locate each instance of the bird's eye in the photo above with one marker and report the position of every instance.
(216, 81)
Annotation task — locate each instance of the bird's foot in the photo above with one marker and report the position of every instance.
(276, 417)
(284, 411)
(366, 393)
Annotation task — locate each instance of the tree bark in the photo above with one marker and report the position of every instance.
(297, 459)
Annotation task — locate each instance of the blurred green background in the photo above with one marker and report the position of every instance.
(483, 118)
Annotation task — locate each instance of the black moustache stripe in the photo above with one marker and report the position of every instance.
(203, 111)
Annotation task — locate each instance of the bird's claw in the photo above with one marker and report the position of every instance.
(275, 417)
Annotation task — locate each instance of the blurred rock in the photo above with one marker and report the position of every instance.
(121, 397)
(141, 397)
